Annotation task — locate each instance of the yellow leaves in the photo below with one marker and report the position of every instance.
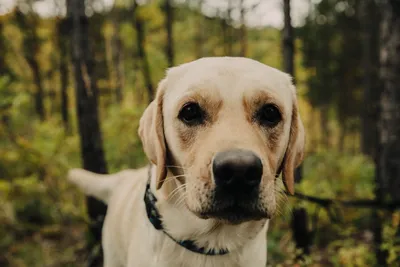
(354, 256)
(5, 17)
(108, 30)
(46, 56)
(5, 188)
(128, 35)
(10, 155)
(391, 242)
(396, 219)
(28, 184)
(150, 14)
(23, 143)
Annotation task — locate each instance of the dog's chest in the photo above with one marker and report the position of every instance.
(209, 261)
(165, 253)
(188, 260)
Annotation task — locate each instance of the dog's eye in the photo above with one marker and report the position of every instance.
(269, 115)
(191, 114)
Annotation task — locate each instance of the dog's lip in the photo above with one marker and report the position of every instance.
(234, 214)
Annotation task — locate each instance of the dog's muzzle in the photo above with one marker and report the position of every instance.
(237, 176)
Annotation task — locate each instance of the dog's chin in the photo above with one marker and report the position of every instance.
(233, 215)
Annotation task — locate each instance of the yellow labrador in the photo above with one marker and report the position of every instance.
(218, 133)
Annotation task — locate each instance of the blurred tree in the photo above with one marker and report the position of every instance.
(101, 70)
(3, 65)
(301, 234)
(331, 47)
(87, 111)
(199, 38)
(388, 186)
(31, 46)
(6, 79)
(141, 46)
(63, 31)
(370, 18)
(317, 38)
(370, 21)
(288, 40)
(243, 30)
(348, 58)
(116, 51)
(169, 21)
(227, 31)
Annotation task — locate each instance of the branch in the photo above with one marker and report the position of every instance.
(359, 203)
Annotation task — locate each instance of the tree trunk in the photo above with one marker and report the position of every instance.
(369, 133)
(324, 120)
(88, 119)
(200, 32)
(370, 22)
(39, 92)
(342, 137)
(388, 186)
(229, 30)
(377, 220)
(3, 69)
(301, 234)
(169, 20)
(116, 50)
(140, 38)
(243, 30)
(63, 27)
(31, 48)
(288, 40)
(224, 33)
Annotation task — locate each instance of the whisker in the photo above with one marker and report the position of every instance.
(171, 178)
(282, 207)
(181, 199)
(175, 191)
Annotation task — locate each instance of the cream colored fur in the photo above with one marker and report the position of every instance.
(230, 87)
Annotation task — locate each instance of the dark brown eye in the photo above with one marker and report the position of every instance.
(268, 115)
(191, 114)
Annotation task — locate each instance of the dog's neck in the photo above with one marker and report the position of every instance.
(209, 234)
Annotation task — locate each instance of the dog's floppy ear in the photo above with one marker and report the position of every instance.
(295, 149)
(151, 132)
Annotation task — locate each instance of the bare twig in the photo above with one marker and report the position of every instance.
(359, 203)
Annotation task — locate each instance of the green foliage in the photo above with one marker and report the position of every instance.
(348, 251)
(335, 175)
(5, 95)
(123, 146)
(341, 236)
(391, 243)
(34, 194)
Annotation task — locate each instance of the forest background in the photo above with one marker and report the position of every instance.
(75, 77)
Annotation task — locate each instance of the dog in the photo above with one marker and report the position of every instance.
(218, 134)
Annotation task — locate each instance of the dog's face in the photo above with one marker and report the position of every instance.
(225, 126)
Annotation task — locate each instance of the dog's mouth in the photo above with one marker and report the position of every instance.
(234, 215)
(234, 209)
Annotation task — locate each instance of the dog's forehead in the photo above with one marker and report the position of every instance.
(229, 76)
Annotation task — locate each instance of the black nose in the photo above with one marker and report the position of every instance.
(237, 168)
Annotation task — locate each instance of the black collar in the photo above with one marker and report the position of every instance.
(156, 220)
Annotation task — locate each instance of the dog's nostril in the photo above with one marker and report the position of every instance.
(252, 178)
(237, 167)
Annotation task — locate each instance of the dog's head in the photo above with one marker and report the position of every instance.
(225, 127)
